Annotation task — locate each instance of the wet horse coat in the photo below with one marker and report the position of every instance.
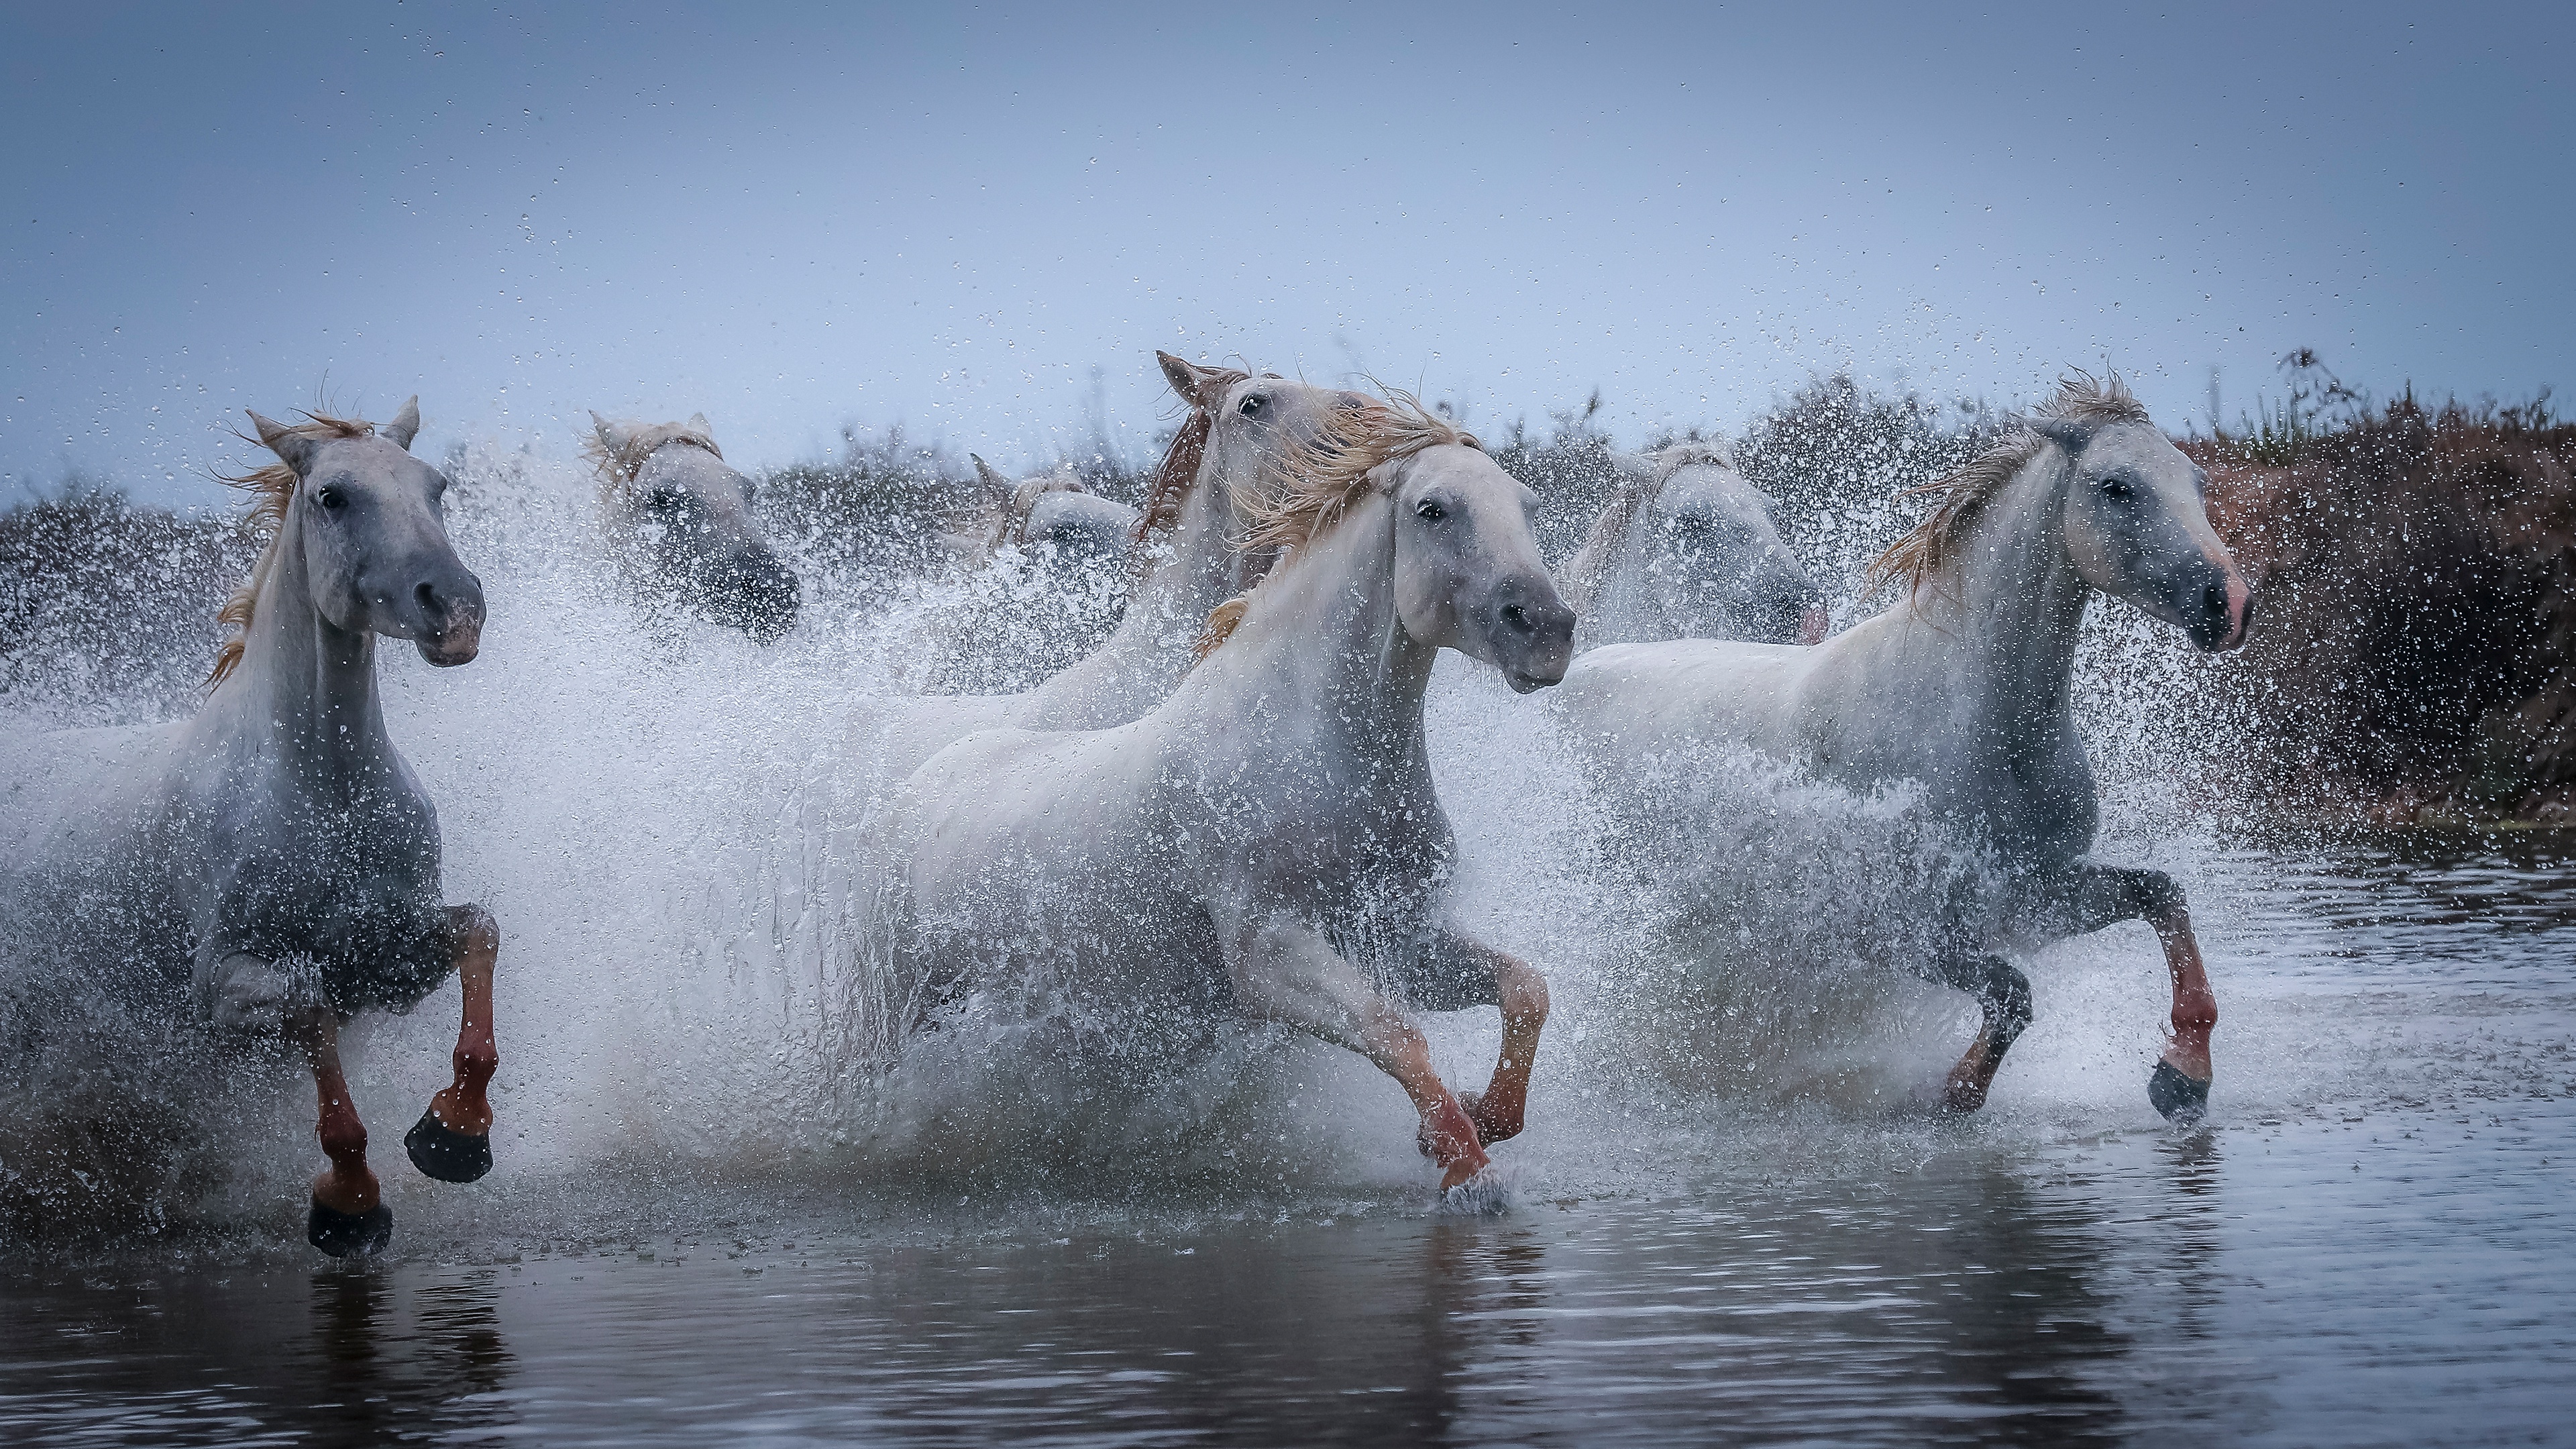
(1967, 688)
(1270, 833)
(273, 859)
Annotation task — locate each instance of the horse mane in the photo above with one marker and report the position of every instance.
(1928, 549)
(617, 466)
(1170, 486)
(271, 488)
(1601, 543)
(1326, 475)
(1329, 472)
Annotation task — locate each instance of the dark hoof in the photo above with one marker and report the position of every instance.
(2178, 1097)
(445, 1153)
(349, 1235)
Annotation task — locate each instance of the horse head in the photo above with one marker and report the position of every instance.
(1241, 429)
(2136, 527)
(368, 517)
(685, 517)
(1713, 549)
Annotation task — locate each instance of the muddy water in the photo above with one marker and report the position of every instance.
(2373, 1240)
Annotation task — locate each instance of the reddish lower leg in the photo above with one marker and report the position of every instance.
(2195, 1006)
(463, 1107)
(1499, 1112)
(1448, 1133)
(1965, 1091)
(346, 1186)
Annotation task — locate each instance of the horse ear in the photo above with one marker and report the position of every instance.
(698, 424)
(291, 447)
(1186, 378)
(991, 477)
(612, 436)
(2064, 432)
(406, 424)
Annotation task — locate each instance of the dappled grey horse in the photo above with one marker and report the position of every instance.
(1687, 548)
(679, 522)
(1966, 686)
(272, 858)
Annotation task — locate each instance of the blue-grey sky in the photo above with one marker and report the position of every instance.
(792, 216)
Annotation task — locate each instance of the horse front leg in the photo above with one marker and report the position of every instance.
(1516, 987)
(2002, 995)
(2179, 1086)
(1286, 972)
(349, 1216)
(453, 1139)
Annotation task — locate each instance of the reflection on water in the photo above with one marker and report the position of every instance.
(2398, 1279)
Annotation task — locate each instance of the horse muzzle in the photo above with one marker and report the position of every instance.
(448, 627)
(1533, 642)
(2225, 616)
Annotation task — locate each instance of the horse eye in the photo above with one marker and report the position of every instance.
(2116, 487)
(1429, 511)
(328, 497)
(1252, 406)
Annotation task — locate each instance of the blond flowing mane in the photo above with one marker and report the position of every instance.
(1327, 473)
(271, 489)
(1592, 562)
(1928, 549)
(1325, 476)
(1169, 488)
(617, 465)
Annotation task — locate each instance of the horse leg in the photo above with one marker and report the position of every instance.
(1521, 992)
(1287, 972)
(2179, 1086)
(349, 1216)
(453, 1139)
(2002, 995)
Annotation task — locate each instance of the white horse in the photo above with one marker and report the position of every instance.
(1966, 687)
(1688, 548)
(679, 521)
(1188, 537)
(1054, 516)
(272, 858)
(1270, 833)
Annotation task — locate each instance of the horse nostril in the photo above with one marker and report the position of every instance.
(1517, 617)
(430, 608)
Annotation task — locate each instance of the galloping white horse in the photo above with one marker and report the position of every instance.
(1966, 688)
(679, 519)
(273, 856)
(1271, 831)
(1687, 548)
(1189, 536)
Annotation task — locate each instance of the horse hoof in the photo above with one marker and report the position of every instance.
(2177, 1097)
(349, 1235)
(442, 1152)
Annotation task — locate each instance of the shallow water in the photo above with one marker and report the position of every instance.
(1729, 1219)
(2370, 1247)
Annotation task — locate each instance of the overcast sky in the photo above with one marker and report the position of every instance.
(950, 216)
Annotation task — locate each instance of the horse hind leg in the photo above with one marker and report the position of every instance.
(2002, 994)
(2179, 1085)
(348, 1217)
(452, 1141)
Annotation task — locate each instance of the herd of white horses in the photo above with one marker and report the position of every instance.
(1229, 805)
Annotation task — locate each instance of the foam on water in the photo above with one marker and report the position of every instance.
(656, 810)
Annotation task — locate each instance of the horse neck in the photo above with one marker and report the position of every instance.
(1323, 632)
(304, 692)
(1148, 650)
(2004, 626)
